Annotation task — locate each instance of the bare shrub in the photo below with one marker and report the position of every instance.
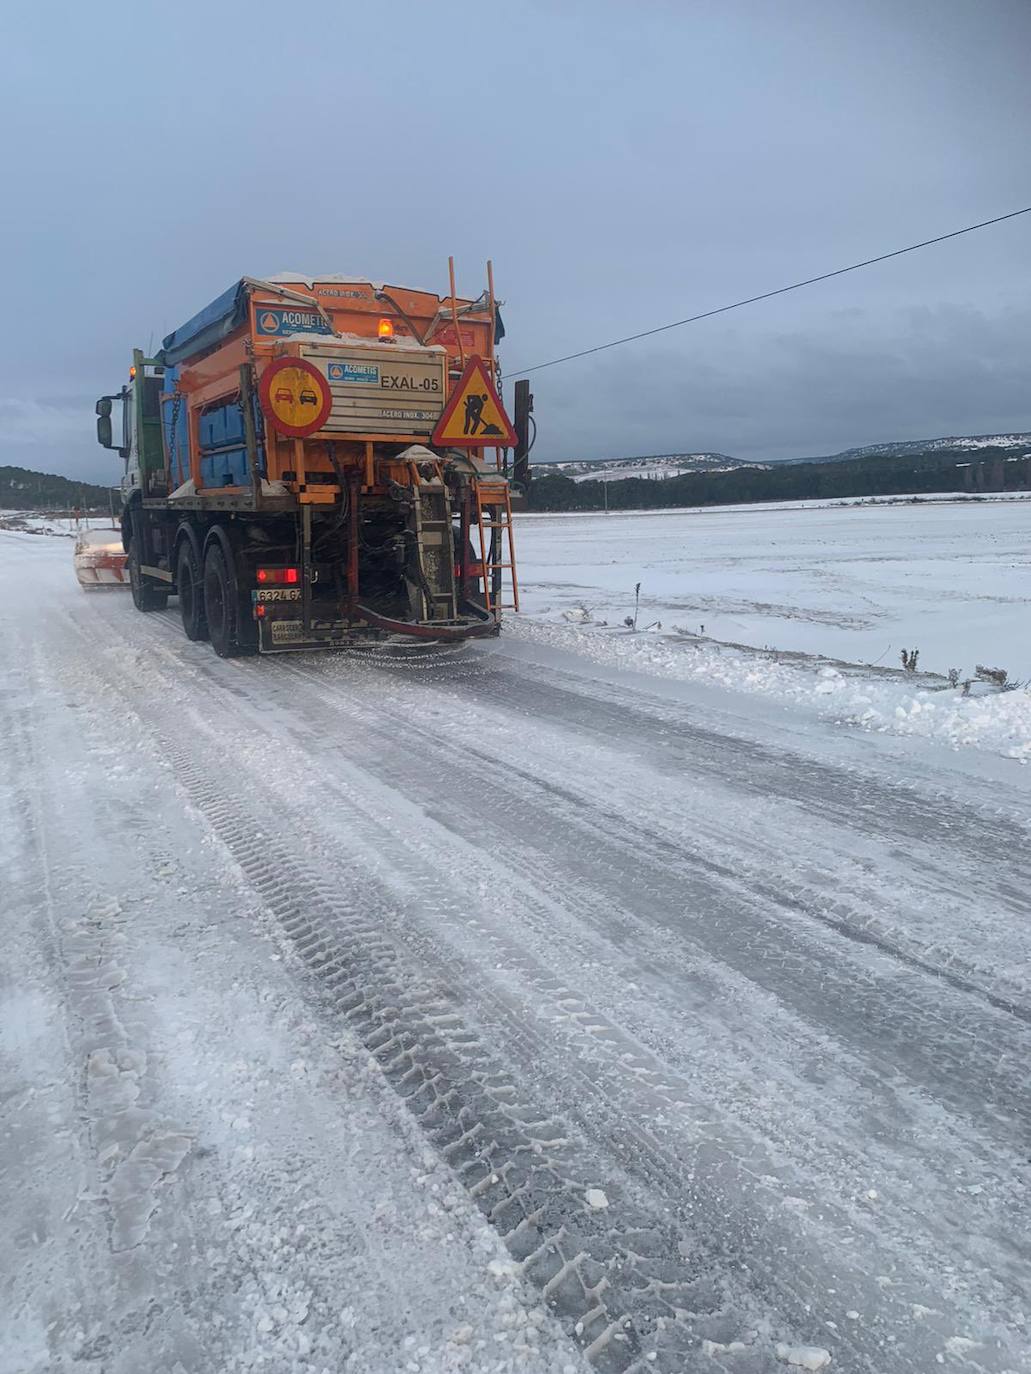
(631, 621)
(997, 676)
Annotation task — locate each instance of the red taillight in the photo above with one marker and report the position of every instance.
(288, 576)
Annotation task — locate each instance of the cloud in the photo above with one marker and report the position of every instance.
(28, 422)
(54, 434)
(917, 373)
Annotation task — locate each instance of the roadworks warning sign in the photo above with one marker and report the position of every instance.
(474, 416)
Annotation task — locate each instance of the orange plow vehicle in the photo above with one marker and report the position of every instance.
(322, 462)
(99, 560)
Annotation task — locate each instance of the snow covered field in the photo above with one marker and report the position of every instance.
(63, 526)
(809, 602)
(495, 1008)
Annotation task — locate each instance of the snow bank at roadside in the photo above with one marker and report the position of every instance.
(999, 723)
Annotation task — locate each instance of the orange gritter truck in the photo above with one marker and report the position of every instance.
(318, 463)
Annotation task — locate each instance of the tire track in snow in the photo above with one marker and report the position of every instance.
(696, 861)
(869, 995)
(853, 1348)
(634, 1301)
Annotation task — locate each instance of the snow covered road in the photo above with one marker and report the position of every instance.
(716, 1016)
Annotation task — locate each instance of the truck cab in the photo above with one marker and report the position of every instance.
(129, 422)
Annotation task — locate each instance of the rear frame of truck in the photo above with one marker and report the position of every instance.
(318, 513)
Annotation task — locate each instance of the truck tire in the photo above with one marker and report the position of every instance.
(221, 604)
(145, 596)
(189, 580)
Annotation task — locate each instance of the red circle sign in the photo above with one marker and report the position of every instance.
(295, 396)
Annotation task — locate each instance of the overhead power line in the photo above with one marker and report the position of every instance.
(766, 295)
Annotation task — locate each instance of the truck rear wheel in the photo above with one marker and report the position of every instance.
(221, 606)
(190, 583)
(145, 596)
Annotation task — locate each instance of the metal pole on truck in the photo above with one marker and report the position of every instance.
(491, 298)
(454, 312)
(500, 455)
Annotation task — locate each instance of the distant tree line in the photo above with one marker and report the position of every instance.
(939, 470)
(22, 489)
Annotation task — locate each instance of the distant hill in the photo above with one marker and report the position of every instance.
(658, 466)
(882, 472)
(21, 489)
(655, 466)
(959, 445)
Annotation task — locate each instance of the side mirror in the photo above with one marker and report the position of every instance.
(104, 435)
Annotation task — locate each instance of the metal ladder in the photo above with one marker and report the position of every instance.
(494, 512)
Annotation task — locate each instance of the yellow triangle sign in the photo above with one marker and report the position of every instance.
(474, 416)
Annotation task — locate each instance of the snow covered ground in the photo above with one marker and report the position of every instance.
(811, 602)
(493, 1008)
(32, 522)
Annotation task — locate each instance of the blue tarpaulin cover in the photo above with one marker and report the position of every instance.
(209, 326)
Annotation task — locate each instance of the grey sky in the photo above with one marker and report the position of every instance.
(623, 164)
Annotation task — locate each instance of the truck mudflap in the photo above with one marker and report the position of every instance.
(282, 635)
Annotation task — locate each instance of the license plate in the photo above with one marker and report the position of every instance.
(285, 631)
(278, 594)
